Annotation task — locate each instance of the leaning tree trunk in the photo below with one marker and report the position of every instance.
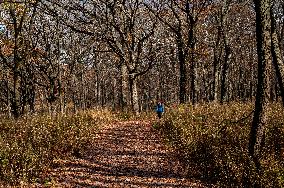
(262, 8)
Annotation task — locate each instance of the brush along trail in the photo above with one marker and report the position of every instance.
(125, 154)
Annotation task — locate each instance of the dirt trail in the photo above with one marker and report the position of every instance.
(126, 154)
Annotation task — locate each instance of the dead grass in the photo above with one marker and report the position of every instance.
(30, 144)
(212, 141)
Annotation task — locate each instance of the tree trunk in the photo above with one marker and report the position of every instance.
(8, 100)
(215, 79)
(262, 8)
(216, 65)
(277, 57)
(182, 70)
(31, 98)
(15, 109)
(224, 72)
(124, 87)
(97, 88)
(192, 77)
(227, 49)
(192, 64)
(134, 94)
(60, 92)
(135, 97)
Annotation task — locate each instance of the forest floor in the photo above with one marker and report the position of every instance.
(125, 154)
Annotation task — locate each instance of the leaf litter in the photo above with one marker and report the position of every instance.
(125, 154)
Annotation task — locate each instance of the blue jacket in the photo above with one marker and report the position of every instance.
(160, 108)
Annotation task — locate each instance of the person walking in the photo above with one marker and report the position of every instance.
(160, 109)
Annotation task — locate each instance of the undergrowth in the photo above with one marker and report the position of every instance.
(212, 140)
(131, 116)
(30, 144)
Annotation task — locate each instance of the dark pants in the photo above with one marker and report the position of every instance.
(159, 115)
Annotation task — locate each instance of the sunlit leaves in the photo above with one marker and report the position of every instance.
(30, 144)
(212, 139)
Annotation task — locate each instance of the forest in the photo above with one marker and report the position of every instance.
(70, 67)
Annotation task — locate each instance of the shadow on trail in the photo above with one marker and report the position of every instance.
(125, 155)
(108, 176)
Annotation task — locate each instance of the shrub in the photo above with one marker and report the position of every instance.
(30, 144)
(212, 141)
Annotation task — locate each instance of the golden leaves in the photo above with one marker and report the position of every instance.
(16, 9)
(7, 47)
(212, 139)
(29, 145)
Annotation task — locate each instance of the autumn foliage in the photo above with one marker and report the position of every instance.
(212, 142)
(30, 144)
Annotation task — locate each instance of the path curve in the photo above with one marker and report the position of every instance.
(125, 154)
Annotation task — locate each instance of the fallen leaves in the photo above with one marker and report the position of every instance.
(125, 154)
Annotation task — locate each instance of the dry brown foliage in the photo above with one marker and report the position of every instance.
(30, 144)
(212, 141)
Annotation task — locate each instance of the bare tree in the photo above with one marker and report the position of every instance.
(181, 18)
(15, 55)
(263, 29)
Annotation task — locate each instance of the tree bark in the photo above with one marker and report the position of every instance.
(124, 87)
(134, 94)
(135, 98)
(262, 8)
(182, 70)
(277, 57)
(227, 49)
(192, 67)
(15, 107)
(216, 78)
(224, 72)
